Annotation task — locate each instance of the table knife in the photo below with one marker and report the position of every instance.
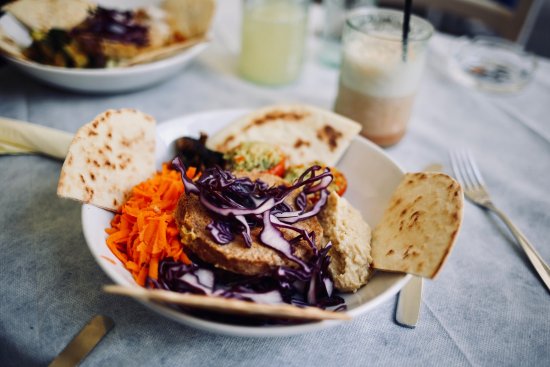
(83, 342)
(408, 303)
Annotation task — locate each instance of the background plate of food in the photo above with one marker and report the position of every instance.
(104, 46)
(415, 217)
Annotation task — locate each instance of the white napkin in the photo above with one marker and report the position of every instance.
(18, 137)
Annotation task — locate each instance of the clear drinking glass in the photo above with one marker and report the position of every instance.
(336, 12)
(378, 76)
(273, 40)
(492, 64)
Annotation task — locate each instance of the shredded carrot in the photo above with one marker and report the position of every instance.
(145, 231)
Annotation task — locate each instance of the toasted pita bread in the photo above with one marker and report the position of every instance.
(190, 18)
(161, 52)
(420, 225)
(107, 157)
(43, 15)
(304, 133)
(9, 47)
(119, 50)
(224, 305)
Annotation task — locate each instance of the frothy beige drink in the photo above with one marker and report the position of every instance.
(377, 85)
(384, 119)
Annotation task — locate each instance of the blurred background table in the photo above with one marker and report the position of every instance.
(486, 308)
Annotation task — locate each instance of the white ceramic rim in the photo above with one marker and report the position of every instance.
(106, 72)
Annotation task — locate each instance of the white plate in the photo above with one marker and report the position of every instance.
(372, 177)
(112, 80)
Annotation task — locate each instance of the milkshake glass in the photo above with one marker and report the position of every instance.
(379, 77)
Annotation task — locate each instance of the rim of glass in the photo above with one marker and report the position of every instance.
(391, 12)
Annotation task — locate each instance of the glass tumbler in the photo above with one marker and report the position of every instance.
(379, 76)
(335, 15)
(273, 40)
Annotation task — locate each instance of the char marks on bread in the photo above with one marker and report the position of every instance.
(420, 225)
(108, 157)
(304, 133)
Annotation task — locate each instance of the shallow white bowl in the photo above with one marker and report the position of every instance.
(372, 177)
(111, 80)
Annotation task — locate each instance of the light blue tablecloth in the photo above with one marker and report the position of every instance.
(487, 307)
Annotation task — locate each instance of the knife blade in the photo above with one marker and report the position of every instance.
(407, 311)
(408, 303)
(83, 342)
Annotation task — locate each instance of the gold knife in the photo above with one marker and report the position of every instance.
(408, 302)
(83, 342)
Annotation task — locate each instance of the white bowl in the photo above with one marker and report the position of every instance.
(372, 178)
(112, 80)
(107, 80)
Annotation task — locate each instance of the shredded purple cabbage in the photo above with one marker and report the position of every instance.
(285, 285)
(242, 203)
(115, 25)
(239, 204)
(221, 231)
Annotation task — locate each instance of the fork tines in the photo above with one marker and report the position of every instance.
(465, 169)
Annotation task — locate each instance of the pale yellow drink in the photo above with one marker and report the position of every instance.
(273, 40)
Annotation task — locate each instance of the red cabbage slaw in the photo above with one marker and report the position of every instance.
(238, 204)
(113, 24)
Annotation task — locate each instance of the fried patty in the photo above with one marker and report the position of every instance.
(192, 219)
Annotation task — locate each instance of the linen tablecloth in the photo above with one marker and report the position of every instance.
(487, 307)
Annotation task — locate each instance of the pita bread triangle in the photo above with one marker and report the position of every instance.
(108, 157)
(225, 305)
(420, 225)
(44, 15)
(191, 18)
(305, 133)
(160, 53)
(9, 47)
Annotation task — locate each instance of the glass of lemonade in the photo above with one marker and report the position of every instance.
(378, 76)
(273, 40)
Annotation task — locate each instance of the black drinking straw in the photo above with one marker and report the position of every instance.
(406, 21)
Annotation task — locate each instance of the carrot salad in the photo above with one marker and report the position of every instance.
(145, 231)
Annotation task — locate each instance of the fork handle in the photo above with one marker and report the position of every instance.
(536, 260)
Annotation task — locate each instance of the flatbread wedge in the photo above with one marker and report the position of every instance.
(107, 157)
(420, 225)
(191, 18)
(305, 133)
(161, 52)
(224, 305)
(44, 15)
